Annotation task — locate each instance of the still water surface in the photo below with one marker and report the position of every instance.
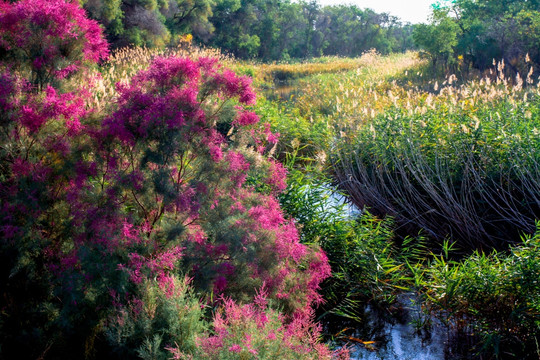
(383, 337)
(400, 340)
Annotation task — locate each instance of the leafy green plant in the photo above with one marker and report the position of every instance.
(495, 296)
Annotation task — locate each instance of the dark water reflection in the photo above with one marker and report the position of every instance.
(383, 337)
(396, 336)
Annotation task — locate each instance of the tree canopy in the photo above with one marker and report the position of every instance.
(475, 32)
(265, 29)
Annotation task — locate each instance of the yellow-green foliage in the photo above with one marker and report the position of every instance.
(281, 72)
(355, 94)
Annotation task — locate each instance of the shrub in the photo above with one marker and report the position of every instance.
(48, 40)
(196, 189)
(104, 215)
(39, 137)
(256, 331)
(162, 317)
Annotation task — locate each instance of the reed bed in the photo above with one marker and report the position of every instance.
(459, 160)
(492, 298)
(319, 101)
(360, 93)
(324, 65)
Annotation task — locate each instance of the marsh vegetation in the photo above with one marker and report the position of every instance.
(180, 202)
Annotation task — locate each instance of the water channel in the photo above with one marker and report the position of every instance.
(282, 90)
(400, 336)
(380, 336)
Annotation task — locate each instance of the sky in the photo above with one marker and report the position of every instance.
(413, 11)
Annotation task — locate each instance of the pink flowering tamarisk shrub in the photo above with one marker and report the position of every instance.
(48, 39)
(104, 215)
(102, 218)
(184, 183)
(256, 331)
(169, 191)
(41, 42)
(41, 134)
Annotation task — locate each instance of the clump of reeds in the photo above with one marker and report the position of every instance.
(494, 298)
(459, 161)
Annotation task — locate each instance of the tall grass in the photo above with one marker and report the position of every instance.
(324, 65)
(357, 94)
(459, 161)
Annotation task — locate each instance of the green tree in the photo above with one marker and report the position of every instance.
(233, 21)
(190, 17)
(438, 39)
(488, 30)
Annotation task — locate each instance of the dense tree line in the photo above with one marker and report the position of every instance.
(264, 29)
(471, 33)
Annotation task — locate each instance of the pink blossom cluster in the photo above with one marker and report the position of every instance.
(169, 111)
(167, 97)
(253, 330)
(47, 35)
